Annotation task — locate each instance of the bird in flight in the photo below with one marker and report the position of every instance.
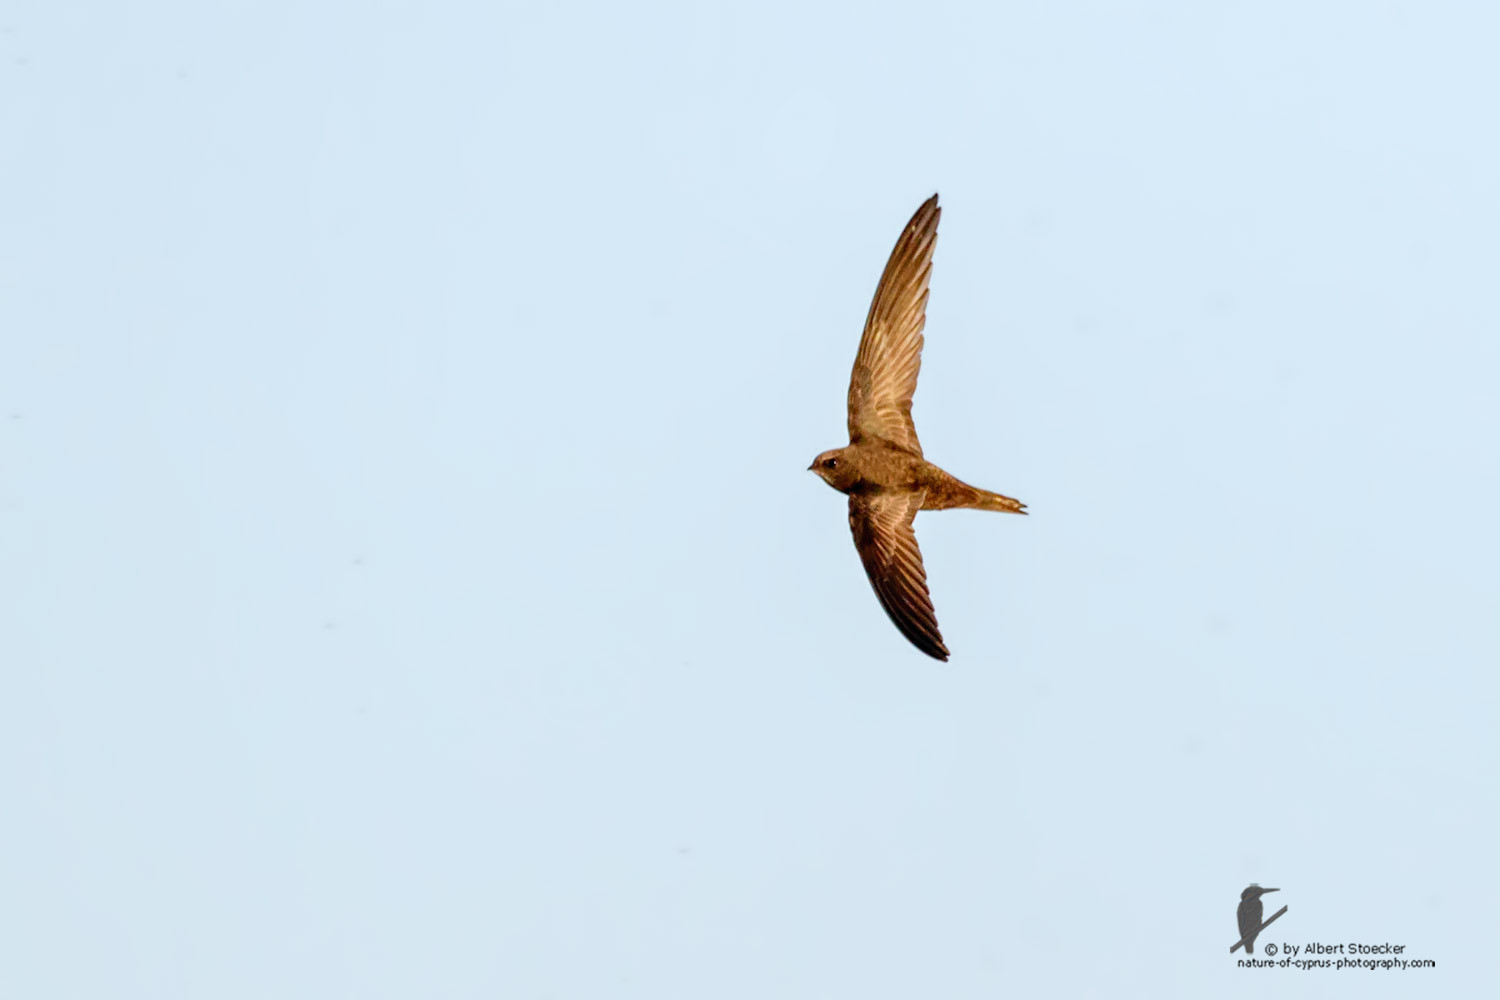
(882, 468)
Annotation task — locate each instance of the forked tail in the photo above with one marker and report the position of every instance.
(994, 501)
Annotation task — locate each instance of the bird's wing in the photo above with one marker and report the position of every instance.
(890, 352)
(888, 545)
(1248, 915)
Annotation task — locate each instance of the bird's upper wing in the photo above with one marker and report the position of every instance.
(890, 352)
(883, 534)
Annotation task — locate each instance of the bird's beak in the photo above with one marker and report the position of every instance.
(1264, 891)
(810, 467)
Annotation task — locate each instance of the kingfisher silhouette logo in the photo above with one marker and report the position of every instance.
(1249, 916)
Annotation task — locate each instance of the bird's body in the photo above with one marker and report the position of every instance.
(882, 468)
(1249, 914)
(875, 467)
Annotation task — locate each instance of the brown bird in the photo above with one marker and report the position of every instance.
(882, 469)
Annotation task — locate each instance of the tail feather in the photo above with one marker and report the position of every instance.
(994, 501)
(943, 492)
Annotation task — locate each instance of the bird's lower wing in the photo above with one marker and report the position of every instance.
(883, 534)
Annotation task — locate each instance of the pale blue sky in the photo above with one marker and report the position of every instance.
(410, 582)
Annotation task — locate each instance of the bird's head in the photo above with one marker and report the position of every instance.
(835, 469)
(1255, 892)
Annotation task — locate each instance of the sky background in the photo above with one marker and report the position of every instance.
(410, 582)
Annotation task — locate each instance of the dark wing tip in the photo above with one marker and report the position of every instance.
(916, 623)
(930, 206)
(925, 642)
(923, 221)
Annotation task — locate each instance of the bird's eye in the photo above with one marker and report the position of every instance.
(830, 463)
